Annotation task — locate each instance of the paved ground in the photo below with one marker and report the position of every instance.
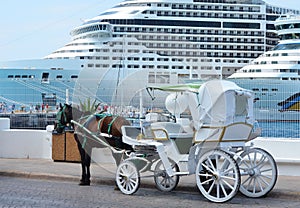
(286, 186)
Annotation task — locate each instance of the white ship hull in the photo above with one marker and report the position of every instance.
(269, 94)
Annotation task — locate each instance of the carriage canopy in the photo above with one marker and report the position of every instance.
(220, 103)
(215, 103)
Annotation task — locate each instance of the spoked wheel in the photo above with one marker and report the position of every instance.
(258, 172)
(127, 177)
(162, 180)
(217, 176)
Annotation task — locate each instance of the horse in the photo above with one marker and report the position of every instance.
(97, 124)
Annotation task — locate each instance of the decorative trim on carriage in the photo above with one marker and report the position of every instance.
(160, 134)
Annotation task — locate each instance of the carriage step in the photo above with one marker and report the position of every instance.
(148, 148)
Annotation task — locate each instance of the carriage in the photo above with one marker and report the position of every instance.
(215, 145)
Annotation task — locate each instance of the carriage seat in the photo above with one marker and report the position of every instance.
(186, 124)
(183, 140)
(130, 133)
(172, 128)
(176, 132)
(235, 133)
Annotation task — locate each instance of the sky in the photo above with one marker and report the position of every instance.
(33, 28)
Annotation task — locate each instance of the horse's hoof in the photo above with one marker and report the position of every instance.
(116, 188)
(84, 183)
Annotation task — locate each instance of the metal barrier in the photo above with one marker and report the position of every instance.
(30, 121)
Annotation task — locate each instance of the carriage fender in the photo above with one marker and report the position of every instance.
(164, 158)
(196, 151)
(194, 157)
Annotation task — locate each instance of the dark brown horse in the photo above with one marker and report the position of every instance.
(96, 124)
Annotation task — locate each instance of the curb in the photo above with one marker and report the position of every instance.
(32, 175)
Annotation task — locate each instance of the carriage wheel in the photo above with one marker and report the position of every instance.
(217, 176)
(162, 180)
(127, 177)
(258, 172)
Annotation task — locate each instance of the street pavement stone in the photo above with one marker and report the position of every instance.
(286, 187)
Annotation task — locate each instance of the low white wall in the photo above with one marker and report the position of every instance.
(21, 143)
(286, 153)
(4, 123)
(38, 144)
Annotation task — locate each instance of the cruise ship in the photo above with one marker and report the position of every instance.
(275, 75)
(115, 55)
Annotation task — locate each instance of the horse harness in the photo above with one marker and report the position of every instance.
(102, 117)
(100, 124)
(61, 117)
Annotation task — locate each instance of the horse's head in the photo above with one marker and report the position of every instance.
(63, 117)
(67, 110)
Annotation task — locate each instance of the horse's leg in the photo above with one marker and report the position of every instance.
(85, 164)
(83, 169)
(88, 153)
(82, 158)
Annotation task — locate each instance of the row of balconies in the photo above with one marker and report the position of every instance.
(211, 15)
(189, 31)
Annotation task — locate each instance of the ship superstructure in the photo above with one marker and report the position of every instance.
(275, 75)
(142, 42)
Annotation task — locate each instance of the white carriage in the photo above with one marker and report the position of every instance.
(212, 145)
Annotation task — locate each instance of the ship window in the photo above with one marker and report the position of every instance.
(241, 25)
(264, 89)
(24, 76)
(74, 76)
(274, 90)
(255, 89)
(10, 76)
(45, 77)
(17, 76)
(59, 77)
